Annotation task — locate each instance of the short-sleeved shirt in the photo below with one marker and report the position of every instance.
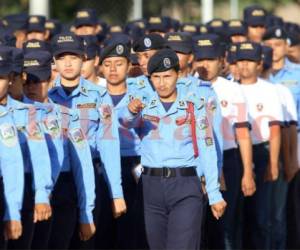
(264, 107)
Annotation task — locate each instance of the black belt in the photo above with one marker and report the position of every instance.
(261, 145)
(170, 172)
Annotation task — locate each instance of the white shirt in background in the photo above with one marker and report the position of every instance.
(264, 107)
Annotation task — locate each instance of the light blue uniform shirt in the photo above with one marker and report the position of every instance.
(98, 125)
(167, 141)
(289, 77)
(69, 151)
(203, 90)
(34, 147)
(11, 166)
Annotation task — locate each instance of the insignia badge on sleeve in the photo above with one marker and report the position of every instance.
(203, 123)
(77, 137)
(211, 105)
(8, 135)
(35, 131)
(52, 126)
(106, 112)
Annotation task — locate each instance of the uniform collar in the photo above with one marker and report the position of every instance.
(81, 88)
(179, 104)
(204, 83)
(285, 69)
(27, 100)
(198, 101)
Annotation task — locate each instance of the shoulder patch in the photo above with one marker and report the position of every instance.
(34, 131)
(77, 137)
(211, 105)
(8, 135)
(106, 112)
(198, 101)
(52, 126)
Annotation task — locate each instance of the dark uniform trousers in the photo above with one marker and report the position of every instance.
(64, 212)
(222, 233)
(44, 231)
(24, 242)
(256, 220)
(125, 225)
(173, 211)
(293, 214)
(126, 232)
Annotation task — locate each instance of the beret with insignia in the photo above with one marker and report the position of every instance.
(163, 60)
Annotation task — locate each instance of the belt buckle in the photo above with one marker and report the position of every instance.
(166, 172)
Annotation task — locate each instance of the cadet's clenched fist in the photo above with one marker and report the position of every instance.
(135, 106)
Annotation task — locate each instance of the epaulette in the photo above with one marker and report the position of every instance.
(199, 101)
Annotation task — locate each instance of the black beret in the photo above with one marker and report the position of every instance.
(115, 49)
(163, 60)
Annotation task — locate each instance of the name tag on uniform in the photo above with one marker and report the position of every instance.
(86, 106)
(151, 118)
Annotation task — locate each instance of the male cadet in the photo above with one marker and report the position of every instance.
(255, 19)
(38, 183)
(177, 125)
(11, 163)
(115, 64)
(284, 74)
(265, 115)
(36, 28)
(145, 47)
(73, 91)
(18, 23)
(91, 62)
(288, 162)
(68, 156)
(236, 137)
(86, 22)
(237, 31)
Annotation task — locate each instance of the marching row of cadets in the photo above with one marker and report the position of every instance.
(162, 136)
